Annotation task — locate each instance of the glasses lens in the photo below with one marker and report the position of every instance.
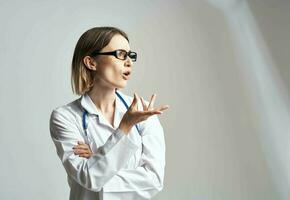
(133, 56)
(121, 54)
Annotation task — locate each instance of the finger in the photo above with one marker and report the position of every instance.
(135, 100)
(81, 147)
(159, 110)
(80, 151)
(152, 100)
(162, 108)
(77, 152)
(136, 104)
(81, 142)
(151, 112)
(84, 145)
(143, 104)
(85, 155)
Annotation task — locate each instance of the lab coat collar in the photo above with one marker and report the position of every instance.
(90, 107)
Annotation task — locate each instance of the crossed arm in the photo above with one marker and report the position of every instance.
(96, 171)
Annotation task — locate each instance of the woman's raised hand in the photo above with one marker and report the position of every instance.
(134, 116)
(130, 118)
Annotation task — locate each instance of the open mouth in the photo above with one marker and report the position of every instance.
(126, 75)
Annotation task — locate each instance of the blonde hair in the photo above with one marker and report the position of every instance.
(94, 39)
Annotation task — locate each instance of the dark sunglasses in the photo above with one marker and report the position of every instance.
(119, 53)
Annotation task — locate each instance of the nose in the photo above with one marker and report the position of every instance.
(128, 62)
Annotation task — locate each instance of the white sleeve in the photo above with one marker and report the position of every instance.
(147, 179)
(95, 172)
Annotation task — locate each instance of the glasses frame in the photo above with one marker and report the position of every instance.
(115, 53)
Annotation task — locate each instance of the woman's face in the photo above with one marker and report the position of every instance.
(111, 71)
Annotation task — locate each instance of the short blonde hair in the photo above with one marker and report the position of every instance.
(94, 39)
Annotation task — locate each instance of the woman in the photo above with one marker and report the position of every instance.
(110, 144)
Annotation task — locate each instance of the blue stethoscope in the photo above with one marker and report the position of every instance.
(85, 114)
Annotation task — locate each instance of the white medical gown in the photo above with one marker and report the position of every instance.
(127, 167)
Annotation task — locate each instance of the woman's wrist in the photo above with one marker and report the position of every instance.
(125, 128)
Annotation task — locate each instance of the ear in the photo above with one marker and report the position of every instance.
(90, 63)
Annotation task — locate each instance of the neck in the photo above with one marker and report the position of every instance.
(103, 98)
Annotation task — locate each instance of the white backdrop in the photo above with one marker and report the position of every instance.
(221, 144)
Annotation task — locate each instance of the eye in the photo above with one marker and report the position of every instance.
(122, 54)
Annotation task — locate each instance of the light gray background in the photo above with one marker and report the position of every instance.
(186, 56)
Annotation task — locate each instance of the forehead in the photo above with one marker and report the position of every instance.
(117, 42)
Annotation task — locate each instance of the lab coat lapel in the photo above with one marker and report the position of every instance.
(91, 108)
(120, 110)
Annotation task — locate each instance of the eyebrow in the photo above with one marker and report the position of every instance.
(120, 49)
(123, 49)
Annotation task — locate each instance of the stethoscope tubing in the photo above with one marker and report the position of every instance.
(85, 114)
